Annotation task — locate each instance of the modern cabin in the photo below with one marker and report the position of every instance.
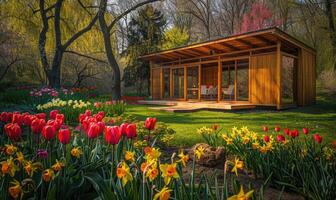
(263, 68)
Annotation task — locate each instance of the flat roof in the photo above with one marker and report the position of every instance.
(234, 43)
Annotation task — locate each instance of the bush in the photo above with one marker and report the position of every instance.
(328, 80)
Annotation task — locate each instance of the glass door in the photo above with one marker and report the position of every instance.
(228, 80)
(166, 83)
(178, 83)
(192, 82)
(242, 87)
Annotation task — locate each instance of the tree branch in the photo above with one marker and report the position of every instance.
(86, 56)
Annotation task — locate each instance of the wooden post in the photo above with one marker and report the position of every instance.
(278, 74)
(161, 83)
(171, 89)
(185, 82)
(235, 81)
(219, 77)
(150, 77)
(199, 81)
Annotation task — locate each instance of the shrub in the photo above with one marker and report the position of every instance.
(328, 80)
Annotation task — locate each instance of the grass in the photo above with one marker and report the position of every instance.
(319, 118)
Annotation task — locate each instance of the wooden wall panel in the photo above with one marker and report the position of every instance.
(156, 83)
(263, 82)
(306, 78)
(209, 75)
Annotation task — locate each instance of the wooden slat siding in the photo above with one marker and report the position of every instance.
(278, 74)
(156, 83)
(162, 83)
(306, 78)
(263, 79)
(235, 81)
(171, 84)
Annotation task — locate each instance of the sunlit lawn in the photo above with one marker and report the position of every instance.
(319, 118)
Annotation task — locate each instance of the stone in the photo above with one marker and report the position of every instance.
(213, 156)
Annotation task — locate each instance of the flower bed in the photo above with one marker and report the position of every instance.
(43, 158)
(294, 160)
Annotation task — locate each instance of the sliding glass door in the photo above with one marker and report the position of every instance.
(166, 83)
(235, 80)
(178, 83)
(192, 82)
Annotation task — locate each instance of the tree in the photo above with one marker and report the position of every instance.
(106, 29)
(174, 37)
(54, 12)
(144, 37)
(260, 17)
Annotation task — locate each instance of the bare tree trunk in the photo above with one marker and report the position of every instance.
(331, 25)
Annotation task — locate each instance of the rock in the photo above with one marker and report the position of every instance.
(212, 156)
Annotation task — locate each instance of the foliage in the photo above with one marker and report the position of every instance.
(71, 164)
(144, 36)
(328, 80)
(293, 161)
(174, 37)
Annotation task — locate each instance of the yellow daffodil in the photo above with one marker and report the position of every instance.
(241, 195)
(237, 164)
(129, 155)
(15, 190)
(263, 149)
(20, 157)
(183, 158)
(245, 139)
(9, 167)
(30, 167)
(152, 153)
(10, 149)
(205, 131)
(255, 145)
(227, 139)
(57, 166)
(199, 152)
(164, 194)
(123, 173)
(76, 152)
(168, 172)
(48, 175)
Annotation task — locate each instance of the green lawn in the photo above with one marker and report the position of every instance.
(319, 118)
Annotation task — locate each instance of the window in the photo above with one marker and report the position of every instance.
(178, 82)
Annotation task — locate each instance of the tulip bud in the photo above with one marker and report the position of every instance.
(93, 131)
(112, 135)
(53, 114)
(123, 128)
(48, 132)
(265, 128)
(150, 123)
(131, 131)
(277, 129)
(280, 138)
(13, 131)
(266, 138)
(305, 131)
(317, 137)
(286, 131)
(64, 136)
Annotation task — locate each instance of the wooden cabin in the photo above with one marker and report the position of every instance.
(264, 68)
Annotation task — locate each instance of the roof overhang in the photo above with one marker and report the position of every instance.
(236, 43)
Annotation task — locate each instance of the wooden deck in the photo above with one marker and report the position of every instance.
(192, 106)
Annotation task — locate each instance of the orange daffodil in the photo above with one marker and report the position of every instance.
(48, 175)
(58, 166)
(31, 167)
(10, 149)
(168, 172)
(15, 190)
(123, 173)
(129, 156)
(241, 195)
(164, 194)
(76, 152)
(20, 157)
(9, 167)
(152, 153)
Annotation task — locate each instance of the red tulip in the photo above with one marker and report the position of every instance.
(53, 114)
(305, 131)
(277, 129)
(123, 128)
(17, 118)
(101, 127)
(60, 117)
(281, 138)
(266, 138)
(150, 123)
(6, 117)
(334, 144)
(93, 131)
(286, 131)
(317, 137)
(294, 133)
(37, 125)
(88, 113)
(98, 117)
(55, 123)
(41, 115)
(112, 135)
(64, 136)
(13, 131)
(48, 132)
(265, 128)
(131, 131)
(27, 119)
